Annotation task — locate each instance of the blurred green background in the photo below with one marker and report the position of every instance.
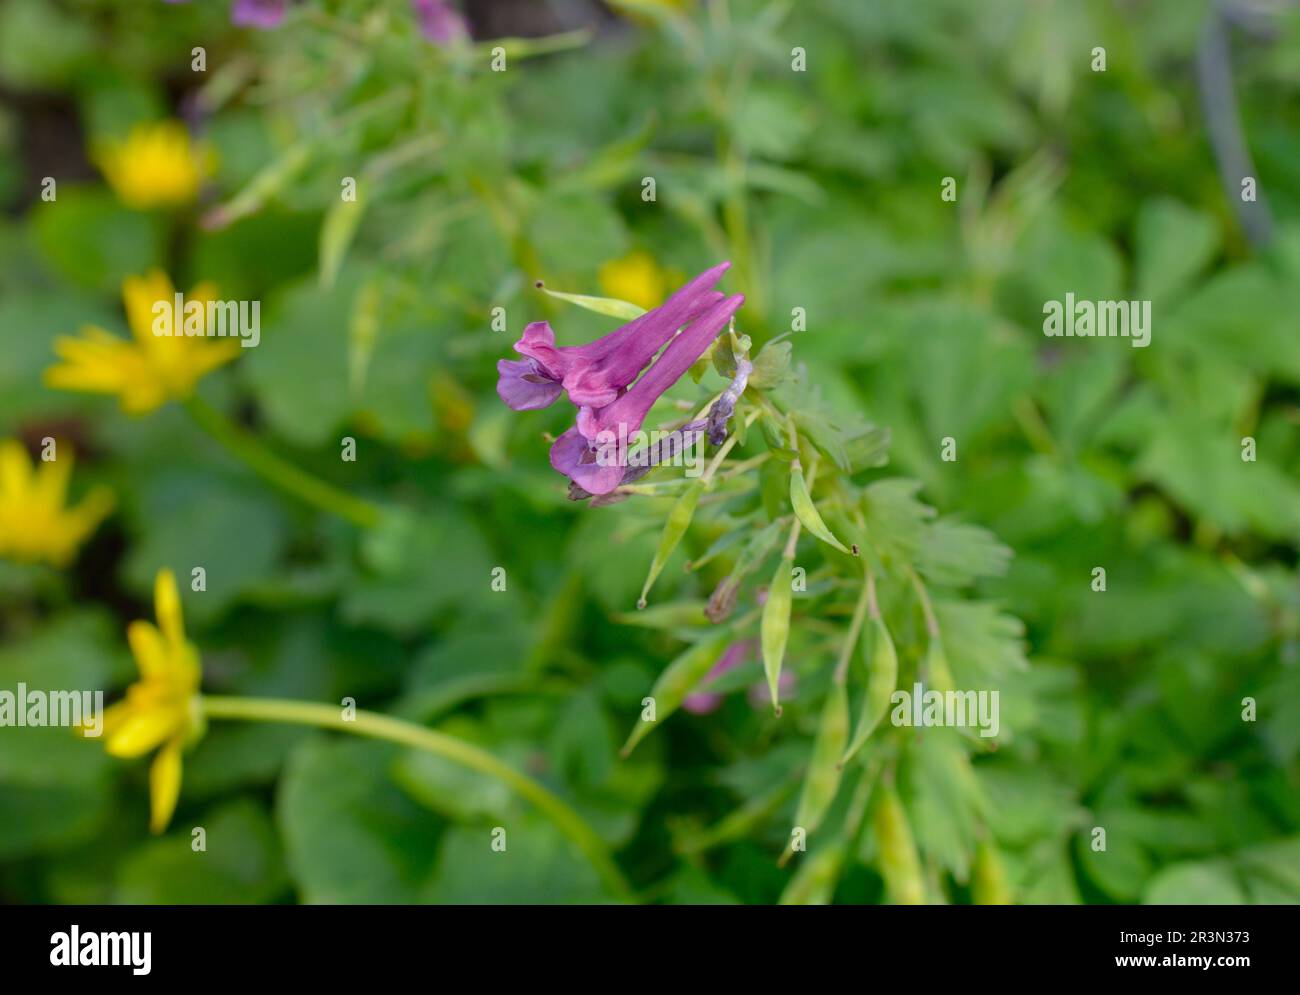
(823, 187)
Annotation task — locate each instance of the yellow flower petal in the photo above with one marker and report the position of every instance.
(164, 785)
(149, 650)
(147, 370)
(86, 515)
(167, 607)
(141, 731)
(35, 525)
(139, 294)
(15, 468)
(51, 485)
(156, 165)
(114, 716)
(635, 277)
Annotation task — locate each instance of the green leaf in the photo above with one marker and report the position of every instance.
(536, 867)
(185, 521)
(351, 835)
(1174, 243)
(241, 865)
(55, 787)
(1208, 883)
(94, 242)
(771, 365)
(41, 44)
(299, 371)
(955, 554)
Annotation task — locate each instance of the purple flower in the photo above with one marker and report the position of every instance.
(581, 453)
(439, 23)
(760, 697)
(597, 373)
(703, 702)
(258, 13)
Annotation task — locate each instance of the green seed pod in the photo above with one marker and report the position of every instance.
(822, 781)
(989, 878)
(336, 233)
(936, 666)
(687, 670)
(814, 882)
(882, 681)
(666, 615)
(774, 630)
(610, 306)
(900, 865)
(679, 520)
(802, 503)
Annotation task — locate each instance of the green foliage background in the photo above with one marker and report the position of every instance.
(923, 316)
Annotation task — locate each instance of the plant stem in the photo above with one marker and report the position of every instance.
(865, 599)
(927, 609)
(281, 472)
(385, 727)
(727, 446)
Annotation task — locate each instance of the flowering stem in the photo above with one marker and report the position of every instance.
(281, 472)
(394, 730)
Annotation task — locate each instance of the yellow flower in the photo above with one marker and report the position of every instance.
(35, 525)
(636, 278)
(163, 707)
(156, 165)
(147, 370)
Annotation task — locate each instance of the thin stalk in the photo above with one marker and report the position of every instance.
(865, 600)
(927, 609)
(281, 472)
(393, 730)
(727, 446)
